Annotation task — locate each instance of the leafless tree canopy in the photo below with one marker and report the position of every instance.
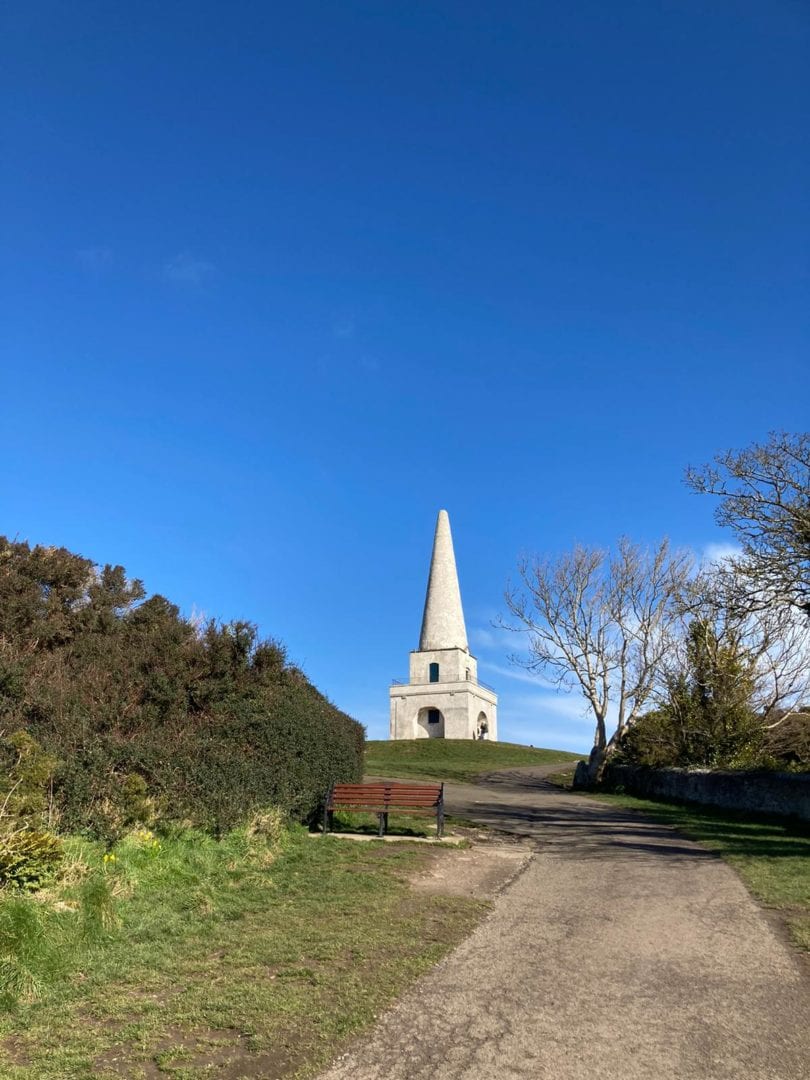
(614, 624)
(601, 622)
(764, 494)
(772, 640)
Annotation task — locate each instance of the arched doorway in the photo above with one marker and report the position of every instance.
(431, 722)
(482, 727)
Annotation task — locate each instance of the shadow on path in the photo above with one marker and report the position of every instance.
(531, 808)
(623, 951)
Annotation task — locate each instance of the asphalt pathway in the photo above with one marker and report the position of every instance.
(621, 951)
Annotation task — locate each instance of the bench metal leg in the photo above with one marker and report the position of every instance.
(328, 815)
(440, 821)
(383, 829)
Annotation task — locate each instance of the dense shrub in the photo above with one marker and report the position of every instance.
(707, 719)
(788, 743)
(29, 858)
(26, 774)
(141, 715)
(665, 737)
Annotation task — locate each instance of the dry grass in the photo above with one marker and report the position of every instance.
(237, 958)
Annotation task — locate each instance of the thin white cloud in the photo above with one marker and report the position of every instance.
(545, 719)
(715, 553)
(517, 674)
(185, 269)
(571, 707)
(483, 638)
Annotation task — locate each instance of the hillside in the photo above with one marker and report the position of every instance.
(116, 710)
(452, 759)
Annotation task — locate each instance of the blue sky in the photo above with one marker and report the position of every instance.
(280, 281)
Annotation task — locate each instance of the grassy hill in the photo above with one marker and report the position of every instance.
(452, 759)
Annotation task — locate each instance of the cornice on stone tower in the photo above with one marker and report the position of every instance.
(443, 619)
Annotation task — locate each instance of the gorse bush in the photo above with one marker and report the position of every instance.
(26, 773)
(30, 855)
(142, 716)
(29, 858)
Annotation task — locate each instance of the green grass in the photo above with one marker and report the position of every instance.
(235, 954)
(398, 824)
(771, 855)
(564, 778)
(452, 759)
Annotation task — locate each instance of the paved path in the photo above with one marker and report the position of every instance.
(622, 951)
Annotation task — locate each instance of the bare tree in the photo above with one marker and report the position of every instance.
(772, 641)
(764, 494)
(602, 623)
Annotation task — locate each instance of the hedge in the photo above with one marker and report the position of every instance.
(150, 717)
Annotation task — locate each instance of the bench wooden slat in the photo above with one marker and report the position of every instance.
(383, 800)
(431, 795)
(429, 799)
(380, 802)
(367, 802)
(399, 789)
(404, 807)
(388, 794)
(433, 789)
(381, 797)
(389, 784)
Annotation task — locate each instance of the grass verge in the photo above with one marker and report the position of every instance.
(398, 824)
(771, 855)
(461, 760)
(233, 958)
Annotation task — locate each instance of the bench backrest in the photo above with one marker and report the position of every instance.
(383, 795)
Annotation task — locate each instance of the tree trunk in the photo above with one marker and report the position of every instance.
(596, 764)
(589, 773)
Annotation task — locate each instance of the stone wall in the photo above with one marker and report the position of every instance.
(460, 704)
(787, 794)
(453, 666)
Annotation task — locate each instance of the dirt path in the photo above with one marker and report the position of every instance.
(621, 951)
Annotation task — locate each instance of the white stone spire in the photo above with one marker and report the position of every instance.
(443, 698)
(443, 620)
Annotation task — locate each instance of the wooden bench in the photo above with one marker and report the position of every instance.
(381, 798)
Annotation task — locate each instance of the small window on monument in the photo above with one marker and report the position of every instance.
(434, 716)
(433, 673)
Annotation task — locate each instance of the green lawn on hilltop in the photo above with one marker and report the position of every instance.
(452, 759)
